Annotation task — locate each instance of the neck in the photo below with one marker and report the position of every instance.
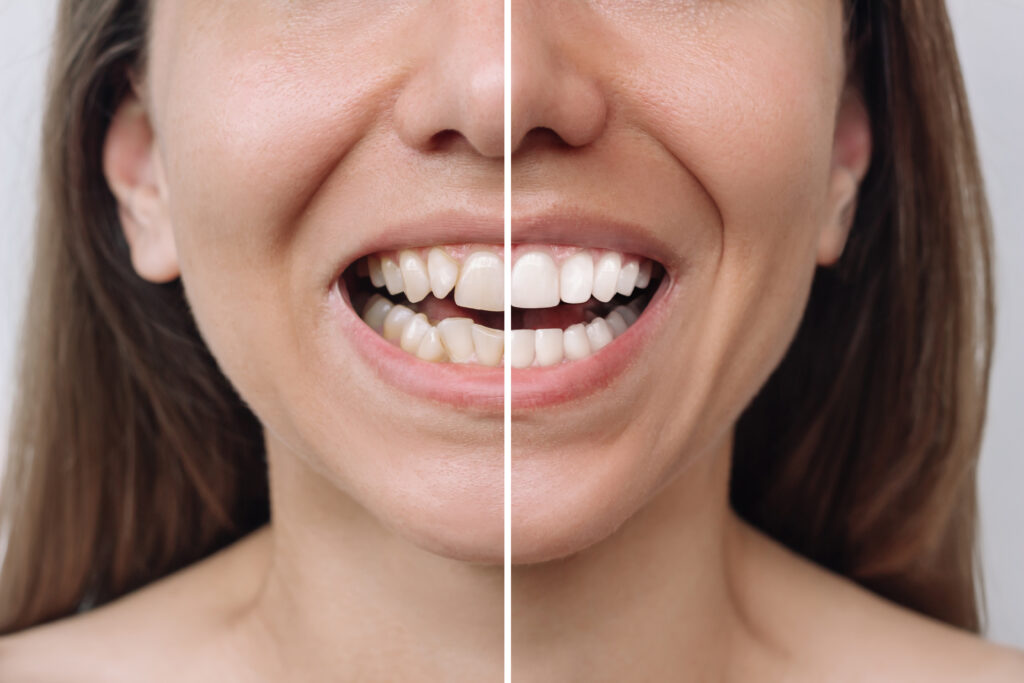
(345, 594)
(652, 598)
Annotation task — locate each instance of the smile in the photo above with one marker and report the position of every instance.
(444, 304)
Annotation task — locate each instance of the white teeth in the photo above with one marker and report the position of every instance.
(431, 349)
(627, 278)
(599, 334)
(548, 347)
(577, 346)
(377, 308)
(535, 281)
(481, 282)
(392, 276)
(414, 276)
(643, 277)
(522, 350)
(444, 272)
(394, 322)
(457, 336)
(376, 274)
(415, 328)
(489, 345)
(606, 275)
(577, 278)
(617, 323)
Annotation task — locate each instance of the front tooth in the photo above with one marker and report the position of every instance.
(444, 272)
(457, 336)
(535, 281)
(392, 276)
(522, 348)
(616, 322)
(414, 276)
(489, 345)
(394, 322)
(577, 278)
(627, 278)
(577, 345)
(606, 275)
(414, 332)
(376, 274)
(376, 310)
(549, 347)
(431, 349)
(643, 277)
(481, 282)
(599, 334)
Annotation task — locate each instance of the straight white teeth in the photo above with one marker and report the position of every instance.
(542, 278)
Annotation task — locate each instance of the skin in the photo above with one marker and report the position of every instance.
(262, 144)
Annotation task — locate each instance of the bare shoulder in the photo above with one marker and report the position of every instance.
(129, 638)
(843, 632)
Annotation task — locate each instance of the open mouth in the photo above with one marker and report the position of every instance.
(444, 304)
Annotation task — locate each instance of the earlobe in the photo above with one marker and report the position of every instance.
(134, 172)
(851, 157)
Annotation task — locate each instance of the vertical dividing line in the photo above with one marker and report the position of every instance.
(507, 431)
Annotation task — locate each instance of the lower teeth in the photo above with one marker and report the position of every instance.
(461, 340)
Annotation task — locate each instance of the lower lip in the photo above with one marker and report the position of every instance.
(536, 388)
(475, 387)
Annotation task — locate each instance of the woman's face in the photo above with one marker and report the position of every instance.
(291, 139)
(701, 134)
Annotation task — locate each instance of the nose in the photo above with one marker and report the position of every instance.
(456, 95)
(552, 91)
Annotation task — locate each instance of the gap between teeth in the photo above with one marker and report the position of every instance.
(460, 340)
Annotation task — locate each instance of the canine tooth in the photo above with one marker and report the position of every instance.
(616, 322)
(457, 336)
(627, 277)
(606, 275)
(414, 331)
(414, 276)
(576, 282)
(548, 347)
(521, 351)
(394, 322)
(430, 348)
(444, 272)
(643, 277)
(489, 345)
(376, 309)
(376, 274)
(392, 276)
(481, 282)
(599, 334)
(535, 281)
(577, 345)
(627, 313)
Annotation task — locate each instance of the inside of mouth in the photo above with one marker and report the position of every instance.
(458, 318)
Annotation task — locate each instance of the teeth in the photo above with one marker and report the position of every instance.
(577, 278)
(643, 277)
(627, 278)
(548, 347)
(444, 272)
(606, 276)
(415, 329)
(489, 345)
(414, 276)
(481, 282)
(376, 274)
(617, 323)
(431, 349)
(599, 334)
(377, 309)
(577, 346)
(522, 350)
(392, 276)
(457, 336)
(535, 281)
(394, 322)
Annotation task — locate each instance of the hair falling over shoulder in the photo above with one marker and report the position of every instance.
(131, 455)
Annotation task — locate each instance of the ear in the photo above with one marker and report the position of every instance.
(851, 156)
(135, 174)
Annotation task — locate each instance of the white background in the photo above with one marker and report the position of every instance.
(988, 32)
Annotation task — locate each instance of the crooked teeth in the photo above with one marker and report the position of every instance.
(444, 272)
(414, 276)
(481, 282)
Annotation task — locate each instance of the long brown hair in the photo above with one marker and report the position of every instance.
(861, 450)
(132, 456)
